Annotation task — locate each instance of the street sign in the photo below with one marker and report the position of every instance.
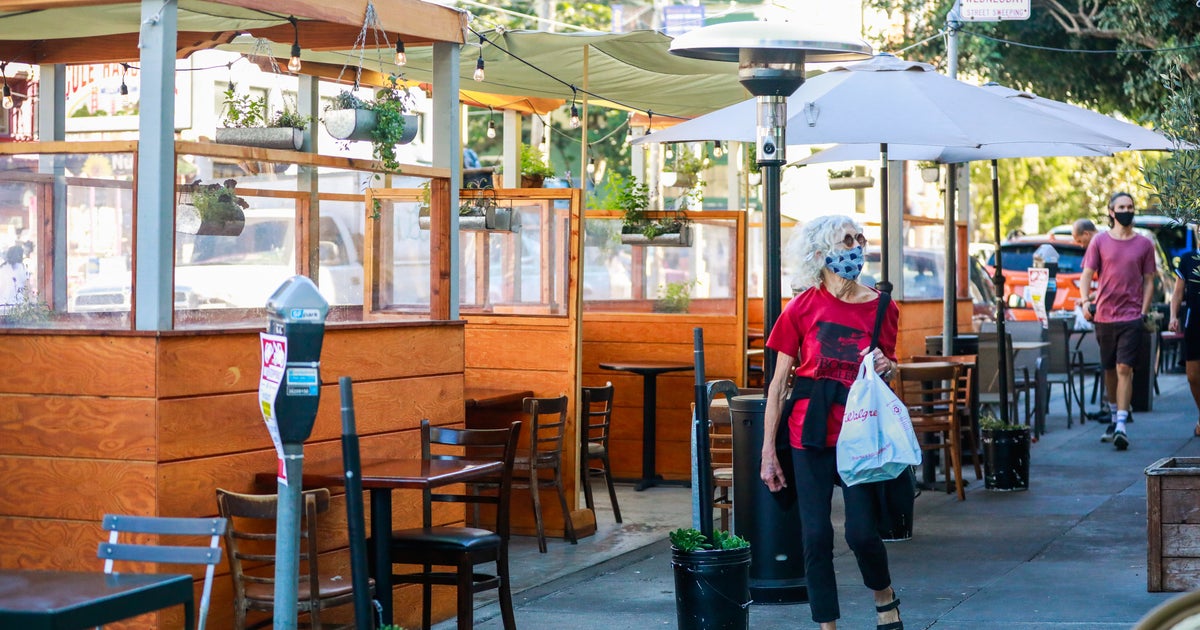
(993, 10)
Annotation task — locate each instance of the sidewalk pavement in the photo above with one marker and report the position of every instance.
(1070, 553)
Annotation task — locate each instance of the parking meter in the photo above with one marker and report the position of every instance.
(1046, 256)
(296, 312)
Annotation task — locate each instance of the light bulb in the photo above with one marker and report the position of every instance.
(591, 167)
(718, 150)
(401, 58)
(669, 154)
(8, 99)
(479, 75)
(124, 88)
(491, 131)
(574, 117)
(294, 64)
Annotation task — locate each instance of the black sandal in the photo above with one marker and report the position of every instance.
(892, 605)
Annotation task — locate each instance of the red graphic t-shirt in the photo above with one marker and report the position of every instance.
(826, 335)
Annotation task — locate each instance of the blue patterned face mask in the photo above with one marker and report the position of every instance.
(848, 264)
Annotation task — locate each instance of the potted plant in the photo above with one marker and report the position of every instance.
(210, 209)
(1005, 454)
(248, 123)
(843, 179)
(477, 213)
(637, 228)
(674, 297)
(930, 171)
(534, 169)
(384, 121)
(687, 168)
(712, 580)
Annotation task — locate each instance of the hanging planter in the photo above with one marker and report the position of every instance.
(845, 183)
(210, 209)
(476, 215)
(263, 137)
(685, 180)
(355, 125)
(681, 237)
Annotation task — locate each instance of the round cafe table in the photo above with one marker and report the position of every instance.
(649, 371)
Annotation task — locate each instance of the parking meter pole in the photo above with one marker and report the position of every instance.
(287, 543)
(296, 326)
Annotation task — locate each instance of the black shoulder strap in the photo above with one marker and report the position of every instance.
(884, 300)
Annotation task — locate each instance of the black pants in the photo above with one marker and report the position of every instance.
(816, 475)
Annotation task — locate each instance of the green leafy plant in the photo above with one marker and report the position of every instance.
(675, 297)
(390, 105)
(28, 311)
(924, 164)
(533, 163)
(692, 540)
(245, 111)
(1175, 180)
(217, 202)
(687, 162)
(989, 422)
(838, 173)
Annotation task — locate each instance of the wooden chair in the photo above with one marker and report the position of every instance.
(114, 549)
(597, 405)
(547, 426)
(966, 402)
(931, 393)
(462, 548)
(720, 449)
(251, 543)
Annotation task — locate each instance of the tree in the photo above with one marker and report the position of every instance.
(1175, 180)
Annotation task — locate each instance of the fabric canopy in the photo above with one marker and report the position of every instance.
(627, 70)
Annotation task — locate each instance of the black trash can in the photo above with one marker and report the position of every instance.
(770, 521)
(712, 588)
(1006, 459)
(963, 344)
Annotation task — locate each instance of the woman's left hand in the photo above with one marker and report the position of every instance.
(882, 363)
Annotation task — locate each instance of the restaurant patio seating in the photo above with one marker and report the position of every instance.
(968, 415)
(547, 426)
(596, 404)
(931, 393)
(251, 542)
(115, 550)
(462, 548)
(1058, 366)
(720, 450)
(988, 363)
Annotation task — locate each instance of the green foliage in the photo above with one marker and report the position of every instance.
(217, 202)
(838, 173)
(1175, 180)
(675, 297)
(244, 111)
(390, 105)
(989, 422)
(688, 162)
(692, 540)
(29, 311)
(533, 163)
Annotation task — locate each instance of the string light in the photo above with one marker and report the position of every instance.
(491, 130)
(718, 150)
(591, 167)
(8, 99)
(649, 121)
(479, 74)
(670, 153)
(294, 64)
(574, 110)
(124, 88)
(401, 58)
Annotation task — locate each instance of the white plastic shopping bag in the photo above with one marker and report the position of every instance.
(877, 440)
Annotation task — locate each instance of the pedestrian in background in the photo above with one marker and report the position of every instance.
(1185, 318)
(824, 332)
(14, 279)
(1082, 232)
(1125, 262)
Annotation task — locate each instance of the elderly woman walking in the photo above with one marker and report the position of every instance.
(824, 333)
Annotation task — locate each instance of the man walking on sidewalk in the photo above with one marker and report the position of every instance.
(1125, 262)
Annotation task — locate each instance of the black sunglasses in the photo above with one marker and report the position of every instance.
(851, 239)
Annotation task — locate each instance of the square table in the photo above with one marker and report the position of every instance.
(382, 475)
(68, 600)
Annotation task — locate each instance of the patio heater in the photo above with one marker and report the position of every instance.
(770, 57)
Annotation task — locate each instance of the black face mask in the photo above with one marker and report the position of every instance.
(1124, 218)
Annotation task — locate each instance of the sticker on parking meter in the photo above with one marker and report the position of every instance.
(1039, 281)
(303, 381)
(305, 314)
(274, 363)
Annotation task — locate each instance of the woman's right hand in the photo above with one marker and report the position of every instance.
(771, 473)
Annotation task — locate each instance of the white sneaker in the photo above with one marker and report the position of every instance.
(1108, 432)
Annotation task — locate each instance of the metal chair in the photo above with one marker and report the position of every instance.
(251, 542)
(988, 363)
(547, 426)
(463, 548)
(597, 405)
(114, 549)
(1058, 369)
(931, 393)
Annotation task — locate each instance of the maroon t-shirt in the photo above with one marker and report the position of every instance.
(826, 335)
(1121, 266)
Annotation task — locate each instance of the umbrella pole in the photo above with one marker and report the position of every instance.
(772, 293)
(998, 280)
(883, 284)
(950, 301)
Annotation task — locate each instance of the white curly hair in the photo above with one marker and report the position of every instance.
(808, 245)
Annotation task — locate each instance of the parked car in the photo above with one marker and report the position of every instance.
(1017, 256)
(923, 278)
